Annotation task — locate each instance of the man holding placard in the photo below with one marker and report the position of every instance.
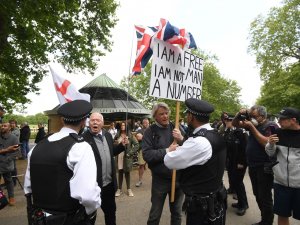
(157, 141)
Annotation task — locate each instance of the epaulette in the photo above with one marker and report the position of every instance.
(77, 137)
(202, 132)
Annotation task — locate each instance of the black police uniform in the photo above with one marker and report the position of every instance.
(205, 201)
(50, 175)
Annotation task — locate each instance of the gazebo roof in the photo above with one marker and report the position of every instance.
(102, 81)
(108, 98)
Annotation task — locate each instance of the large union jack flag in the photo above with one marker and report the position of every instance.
(166, 32)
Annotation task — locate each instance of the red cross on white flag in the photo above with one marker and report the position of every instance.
(66, 92)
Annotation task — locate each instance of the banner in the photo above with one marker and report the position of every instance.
(176, 74)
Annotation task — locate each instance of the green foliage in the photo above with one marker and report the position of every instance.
(34, 32)
(31, 119)
(282, 90)
(222, 93)
(275, 40)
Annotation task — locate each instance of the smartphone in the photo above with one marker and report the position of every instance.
(19, 145)
(272, 129)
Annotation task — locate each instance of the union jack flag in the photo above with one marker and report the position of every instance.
(143, 51)
(173, 35)
(165, 32)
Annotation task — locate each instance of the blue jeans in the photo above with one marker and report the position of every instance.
(24, 148)
(159, 191)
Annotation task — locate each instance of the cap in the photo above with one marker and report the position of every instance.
(198, 107)
(289, 112)
(228, 117)
(76, 110)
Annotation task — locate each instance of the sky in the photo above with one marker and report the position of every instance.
(219, 27)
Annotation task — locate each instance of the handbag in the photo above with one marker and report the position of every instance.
(3, 200)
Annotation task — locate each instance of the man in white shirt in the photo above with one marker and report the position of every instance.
(61, 172)
(201, 159)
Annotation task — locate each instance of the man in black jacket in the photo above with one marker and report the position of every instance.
(156, 142)
(104, 151)
(40, 134)
(24, 139)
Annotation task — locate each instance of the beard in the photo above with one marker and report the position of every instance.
(190, 130)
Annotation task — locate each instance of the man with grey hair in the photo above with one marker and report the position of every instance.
(260, 164)
(155, 144)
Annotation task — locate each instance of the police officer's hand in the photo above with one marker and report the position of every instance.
(177, 135)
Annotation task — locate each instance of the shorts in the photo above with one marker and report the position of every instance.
(141, 160)
(286, 201)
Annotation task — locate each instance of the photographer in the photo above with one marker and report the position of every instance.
(285, 144)
(260, 165)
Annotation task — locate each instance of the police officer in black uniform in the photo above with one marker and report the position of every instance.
(61, 173)
(201, 160)
(236, 142)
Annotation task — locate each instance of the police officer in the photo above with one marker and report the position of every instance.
(201, 160)
(236, 141)
(61, 173)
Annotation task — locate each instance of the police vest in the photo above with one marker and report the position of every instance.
(207, 178)
(50, 175)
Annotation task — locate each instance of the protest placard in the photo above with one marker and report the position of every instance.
(175, 74)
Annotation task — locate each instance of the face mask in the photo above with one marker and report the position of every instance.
(254, 122)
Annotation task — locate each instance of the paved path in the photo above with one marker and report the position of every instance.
(132, 210)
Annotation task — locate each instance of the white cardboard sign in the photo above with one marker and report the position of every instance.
(175, 74)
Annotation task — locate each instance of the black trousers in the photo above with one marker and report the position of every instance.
(108, 204)
(262, 184)
(239, 187)
(197, 218)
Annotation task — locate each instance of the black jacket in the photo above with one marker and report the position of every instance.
(40, 135)
(114, 150)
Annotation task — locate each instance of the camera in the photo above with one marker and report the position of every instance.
(243, 116)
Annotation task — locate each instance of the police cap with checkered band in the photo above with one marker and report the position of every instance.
(198, 107)
(76, 110)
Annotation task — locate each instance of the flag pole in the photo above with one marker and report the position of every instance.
(174, 171)
(128, 82)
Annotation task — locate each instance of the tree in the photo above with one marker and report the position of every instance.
(282, 90)
(34, 32)
(275, 40)
(31, 119)
(222, 93)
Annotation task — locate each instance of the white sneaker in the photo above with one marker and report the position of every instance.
(130, 193)
(118, 193)
(138, 184)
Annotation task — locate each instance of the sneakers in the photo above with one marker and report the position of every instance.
(11, 201)
(130, 193)
(118, 193)
(138, 184)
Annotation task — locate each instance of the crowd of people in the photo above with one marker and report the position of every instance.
(14, 144)
(199, 151)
